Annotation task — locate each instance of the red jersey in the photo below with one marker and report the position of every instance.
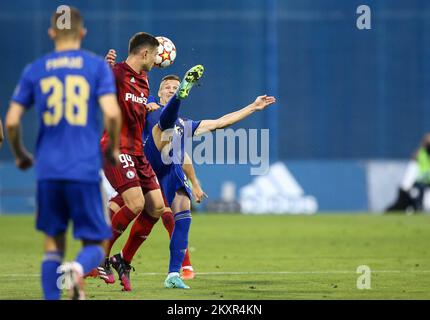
(132, 94)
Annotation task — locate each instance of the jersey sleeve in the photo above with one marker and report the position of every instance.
(151, 99)
(24, 91)
(194, 126)
(106, 81)
(152, 118)
(190, 127)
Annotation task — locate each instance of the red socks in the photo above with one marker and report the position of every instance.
(120, 222)
(187, 261)
(140, 230)
(168, 221)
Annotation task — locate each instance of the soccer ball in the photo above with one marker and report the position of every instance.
(166, 52)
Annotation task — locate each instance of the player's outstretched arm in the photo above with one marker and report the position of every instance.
(1, 134)
(112, 120)
(23, 159)
(188, 168)
(260, 103)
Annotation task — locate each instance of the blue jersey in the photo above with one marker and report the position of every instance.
(65, 87)
(152, 119)
(167, 164)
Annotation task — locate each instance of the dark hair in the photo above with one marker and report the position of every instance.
(76, 23)
(171, 77)
(141, 39)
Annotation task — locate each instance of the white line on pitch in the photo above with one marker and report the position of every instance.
(18, 275)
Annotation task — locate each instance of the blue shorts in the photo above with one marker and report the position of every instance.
(172, 180)
(59, 201)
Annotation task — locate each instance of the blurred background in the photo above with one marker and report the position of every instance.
(352, 105)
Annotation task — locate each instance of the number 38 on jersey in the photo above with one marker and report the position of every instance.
(68, 100)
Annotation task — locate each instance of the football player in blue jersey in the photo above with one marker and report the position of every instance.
(165, 150)
(67, 87)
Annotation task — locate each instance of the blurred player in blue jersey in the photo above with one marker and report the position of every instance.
(67, 87)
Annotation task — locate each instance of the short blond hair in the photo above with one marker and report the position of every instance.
(169, 77)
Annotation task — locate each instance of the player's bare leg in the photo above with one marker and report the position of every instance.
(114, 208)
(134, 203)
(55, 243)
(134, 199)
(154, 203)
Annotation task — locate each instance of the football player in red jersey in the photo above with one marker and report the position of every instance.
(167, 89)
(134, 178)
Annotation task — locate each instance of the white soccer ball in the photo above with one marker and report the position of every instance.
(166, 52)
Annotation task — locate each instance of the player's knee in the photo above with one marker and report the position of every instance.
(136, 207)
(156, 209)
(160, 209)
(135, 204)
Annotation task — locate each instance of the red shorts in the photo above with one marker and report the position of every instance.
(133, 171)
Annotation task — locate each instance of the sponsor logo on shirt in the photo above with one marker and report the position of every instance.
(130, 96)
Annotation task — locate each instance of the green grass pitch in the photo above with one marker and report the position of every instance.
(252, 257)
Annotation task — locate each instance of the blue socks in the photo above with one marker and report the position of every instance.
(51, 261)
(179, 241)
(90, 257)
(170, 112)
